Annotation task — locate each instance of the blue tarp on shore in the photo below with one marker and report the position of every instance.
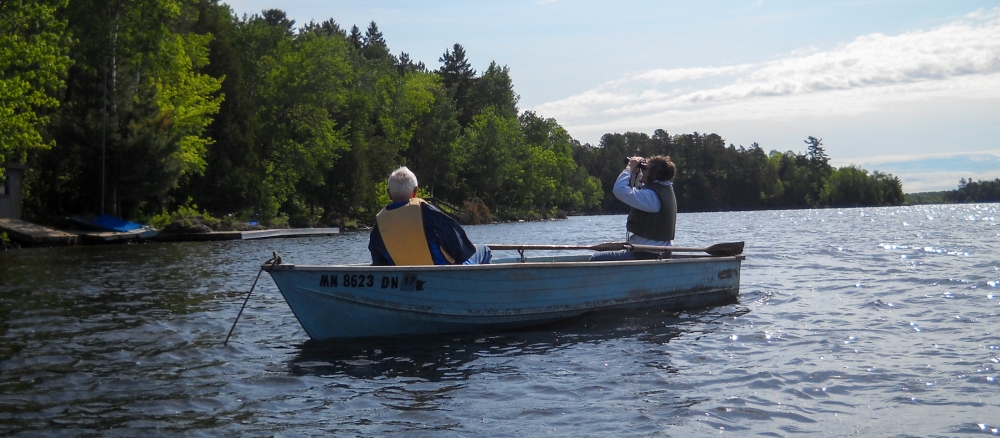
(114, 224)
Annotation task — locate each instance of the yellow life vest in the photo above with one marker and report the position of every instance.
(403, 234)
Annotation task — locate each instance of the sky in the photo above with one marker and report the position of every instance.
(910, 88)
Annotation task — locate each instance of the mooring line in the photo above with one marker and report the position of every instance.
(274, 260)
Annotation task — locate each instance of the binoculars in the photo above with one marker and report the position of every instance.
(642, 163)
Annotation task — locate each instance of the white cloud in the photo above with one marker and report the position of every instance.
(977, 156)
(960, 59)
(619, 113)
(661, 75)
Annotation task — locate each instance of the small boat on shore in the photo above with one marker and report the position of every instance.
(106, 229)
(346, 301)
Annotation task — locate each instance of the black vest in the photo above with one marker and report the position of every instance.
(655, 226)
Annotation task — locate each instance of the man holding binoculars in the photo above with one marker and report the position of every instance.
(653, 218)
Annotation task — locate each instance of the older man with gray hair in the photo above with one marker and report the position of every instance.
(410, 231)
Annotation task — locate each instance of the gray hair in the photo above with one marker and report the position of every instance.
(401, 184)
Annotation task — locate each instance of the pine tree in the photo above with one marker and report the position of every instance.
(459, 78)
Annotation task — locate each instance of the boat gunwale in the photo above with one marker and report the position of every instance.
(515, 265)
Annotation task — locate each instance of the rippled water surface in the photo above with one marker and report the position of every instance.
(879, 321)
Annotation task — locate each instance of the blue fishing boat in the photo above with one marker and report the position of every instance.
(344, 301)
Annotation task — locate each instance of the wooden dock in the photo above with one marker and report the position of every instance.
(98, 237)
(246, 235)
(28, 234)
(31, 235)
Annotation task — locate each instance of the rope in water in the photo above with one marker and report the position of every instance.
(272, 261)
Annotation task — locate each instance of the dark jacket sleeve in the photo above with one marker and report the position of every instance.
(380, 255)
(447, 234)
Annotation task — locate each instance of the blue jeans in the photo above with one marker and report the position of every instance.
(482, 256)
(625, 255)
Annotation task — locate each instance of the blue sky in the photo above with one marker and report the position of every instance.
(910, 88)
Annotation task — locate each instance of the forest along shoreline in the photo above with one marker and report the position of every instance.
(160, 112)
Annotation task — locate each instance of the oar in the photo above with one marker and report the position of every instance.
(606, 246)
(719, 249)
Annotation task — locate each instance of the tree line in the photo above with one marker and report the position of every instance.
(141, 107)
(974, 191)
(968, 191)
(712, 176)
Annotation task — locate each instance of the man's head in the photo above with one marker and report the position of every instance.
(402, 185)
(659, 168)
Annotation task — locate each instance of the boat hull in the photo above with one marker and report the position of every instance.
(346, 301)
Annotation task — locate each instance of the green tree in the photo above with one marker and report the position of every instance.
(355, 38)
(852, 187)
(432, 153)
(819, 167)
(553, 166)
(495, 88)
(815, 151)
(233, 179)
(492, 150)
(703, 168)
(793, 186)
(136, 107)
(33, 64)
(754, 180)
(975, 191)
(849, 187)
(389, 112)
(300, 111)
(459, 78)
(374, 46)
(406, 65)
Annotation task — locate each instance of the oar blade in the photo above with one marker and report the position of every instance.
(718, 250)
(725, 249)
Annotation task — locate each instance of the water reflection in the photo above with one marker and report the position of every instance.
(436, 358)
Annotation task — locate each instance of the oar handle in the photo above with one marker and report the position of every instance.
(496, 247)
(607, 246)
(658, 248)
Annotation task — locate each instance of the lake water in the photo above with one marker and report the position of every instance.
(870, 322)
